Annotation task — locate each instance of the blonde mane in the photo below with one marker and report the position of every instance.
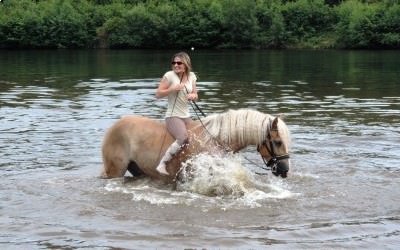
(243, 127)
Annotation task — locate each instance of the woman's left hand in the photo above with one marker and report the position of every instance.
(192, 97)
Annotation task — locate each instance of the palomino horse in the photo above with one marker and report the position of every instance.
(136, 143)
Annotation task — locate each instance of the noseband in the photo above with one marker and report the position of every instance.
(272, 164)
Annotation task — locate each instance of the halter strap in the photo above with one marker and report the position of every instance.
(272, 163)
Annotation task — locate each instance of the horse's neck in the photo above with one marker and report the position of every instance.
(241, 137)
(244, 137)
(236, 130)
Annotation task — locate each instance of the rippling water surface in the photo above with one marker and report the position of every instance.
(342, 108)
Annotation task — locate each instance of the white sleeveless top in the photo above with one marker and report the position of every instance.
(178, 106)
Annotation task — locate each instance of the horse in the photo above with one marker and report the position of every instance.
(137, 143)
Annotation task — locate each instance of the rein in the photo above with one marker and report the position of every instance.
(271, 164)
(198, 108)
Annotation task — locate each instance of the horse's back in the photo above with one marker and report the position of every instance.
(133, 122)
(130, 139)
(137, 139)
(134, 130)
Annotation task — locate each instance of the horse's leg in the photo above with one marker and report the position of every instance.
(134, 169)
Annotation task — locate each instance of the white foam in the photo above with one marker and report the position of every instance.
(215, 176)
(221, 181)
(226, 177)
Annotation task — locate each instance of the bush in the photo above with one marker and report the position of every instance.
(239, 24)
(17, 23)
(199, 23)
(390, 27)
(369, 25)
(48, 24)
(196, 23)
(271, 25)
(308, 18)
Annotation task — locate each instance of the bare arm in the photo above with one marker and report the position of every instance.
(164, 89)
(193, 96)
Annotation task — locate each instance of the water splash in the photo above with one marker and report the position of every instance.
(211, 180)
(212, 175)
(227, 178)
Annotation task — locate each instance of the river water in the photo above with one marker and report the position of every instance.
(342, 108)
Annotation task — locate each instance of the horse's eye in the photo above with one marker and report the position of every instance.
(277, 144)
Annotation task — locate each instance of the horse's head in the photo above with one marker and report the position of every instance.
(274, 149)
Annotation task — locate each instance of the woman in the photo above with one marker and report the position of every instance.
(179, 85)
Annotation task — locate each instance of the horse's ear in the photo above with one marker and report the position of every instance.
(281, 116)
(275, 124)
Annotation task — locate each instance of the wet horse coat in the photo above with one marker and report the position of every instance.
(137, 143)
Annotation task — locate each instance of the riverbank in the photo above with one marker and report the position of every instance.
(211, 24)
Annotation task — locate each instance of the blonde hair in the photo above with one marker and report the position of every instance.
(185, 60)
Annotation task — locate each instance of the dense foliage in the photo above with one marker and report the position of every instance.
(199, 23)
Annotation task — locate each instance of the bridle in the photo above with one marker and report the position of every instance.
(271, 164)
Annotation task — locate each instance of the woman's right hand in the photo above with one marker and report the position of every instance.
(164, 89)
(178, 87)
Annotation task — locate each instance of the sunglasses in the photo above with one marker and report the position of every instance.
(179, 63)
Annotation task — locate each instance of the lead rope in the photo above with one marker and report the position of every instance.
(202, 124)
(222, 144)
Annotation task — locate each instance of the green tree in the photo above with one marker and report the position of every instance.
(239, 23)
(369, 25)
(199, 23)
(271, 26)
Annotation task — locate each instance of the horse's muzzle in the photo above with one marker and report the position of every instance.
(281, 168)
